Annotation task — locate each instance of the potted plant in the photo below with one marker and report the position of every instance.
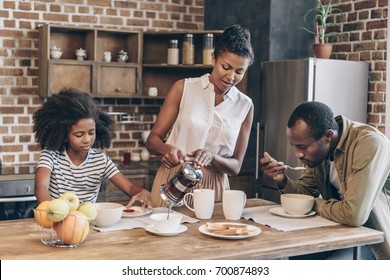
(320, 22)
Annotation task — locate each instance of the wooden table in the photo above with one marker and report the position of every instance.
(19, 239)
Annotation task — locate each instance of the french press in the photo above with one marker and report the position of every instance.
(181, 183)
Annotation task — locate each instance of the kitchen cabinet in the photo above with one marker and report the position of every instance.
(93, 74)
(157, 73)
(155, 70)
(146, 65)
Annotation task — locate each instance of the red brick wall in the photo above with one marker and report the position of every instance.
(364, 38)
(19, 63)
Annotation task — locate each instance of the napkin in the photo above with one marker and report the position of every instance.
(262, 215)
(142, 221)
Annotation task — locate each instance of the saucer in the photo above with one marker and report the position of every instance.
(181, 229)
(280, 212)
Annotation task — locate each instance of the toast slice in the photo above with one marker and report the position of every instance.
(227, 229)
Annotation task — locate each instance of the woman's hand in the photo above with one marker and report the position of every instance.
(172, 157)
(202, 157)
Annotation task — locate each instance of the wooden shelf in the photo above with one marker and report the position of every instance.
(155, 70)
(92, 75)
(146, 66)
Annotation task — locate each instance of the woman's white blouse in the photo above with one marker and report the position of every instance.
(200, 124)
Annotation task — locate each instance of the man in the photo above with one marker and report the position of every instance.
(348, 166)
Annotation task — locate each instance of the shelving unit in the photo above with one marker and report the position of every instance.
(92, 75)
(146, 66)
(155, 70)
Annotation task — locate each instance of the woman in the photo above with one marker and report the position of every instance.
(69, 128)
(208, 118)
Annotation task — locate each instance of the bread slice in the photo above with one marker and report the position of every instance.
(227, 229)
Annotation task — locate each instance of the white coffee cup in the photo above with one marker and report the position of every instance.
(203, 201)
(233, 203)
(161, 222)
(152, 91)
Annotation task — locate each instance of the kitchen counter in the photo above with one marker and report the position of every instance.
(19, 239)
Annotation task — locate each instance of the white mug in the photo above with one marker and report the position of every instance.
(152, 91)
(203, 201)
(233, 203)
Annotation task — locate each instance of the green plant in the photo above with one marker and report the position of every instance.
(318, 21)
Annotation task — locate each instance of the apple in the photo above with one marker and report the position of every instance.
(57, 210)
(72, 199)
(40, 215)
(88, 209)
(74, 229)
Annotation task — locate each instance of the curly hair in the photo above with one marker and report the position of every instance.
(318, 116)
(235, 39)
(54, 119)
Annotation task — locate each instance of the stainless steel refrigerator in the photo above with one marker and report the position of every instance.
(341, 84)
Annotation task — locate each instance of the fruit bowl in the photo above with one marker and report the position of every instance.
(70, 232)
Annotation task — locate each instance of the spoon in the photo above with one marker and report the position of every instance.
(295, 168)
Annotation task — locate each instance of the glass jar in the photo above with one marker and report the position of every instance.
(173, 52)
(208, 48)
(188, 49)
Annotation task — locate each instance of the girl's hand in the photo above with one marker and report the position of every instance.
(144, 197)
(202, 157)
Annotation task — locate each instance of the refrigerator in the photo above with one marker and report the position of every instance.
(341, 84)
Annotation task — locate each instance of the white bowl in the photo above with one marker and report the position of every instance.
(108, 213)
(162, 224)
(296, 204)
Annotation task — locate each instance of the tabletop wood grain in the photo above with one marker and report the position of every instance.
(19, 239)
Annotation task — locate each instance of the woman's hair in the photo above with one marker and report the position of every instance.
(318, 116)
(235, 39)
(54, 119)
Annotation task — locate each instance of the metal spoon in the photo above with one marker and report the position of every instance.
(295, 168)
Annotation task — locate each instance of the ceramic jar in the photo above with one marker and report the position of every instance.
(135, 156)
(107, 56)
(145, 155)
(122, 56)
(81, 54)
(55, 53)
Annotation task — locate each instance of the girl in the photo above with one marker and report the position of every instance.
(69, 127)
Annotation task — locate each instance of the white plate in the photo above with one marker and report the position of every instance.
(255, 231)
(280, 212)
(150, 228)
(138, 212)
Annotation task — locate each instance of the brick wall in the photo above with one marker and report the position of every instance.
(364, 38)
(19, 62)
